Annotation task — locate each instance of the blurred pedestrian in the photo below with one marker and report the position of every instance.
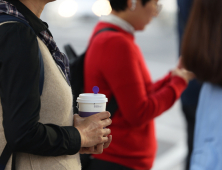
(39, 131)
(202, 54)
(115, 63)
(189, 97)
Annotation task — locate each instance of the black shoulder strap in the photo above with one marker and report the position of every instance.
(103, 30)
(76, 69)
(112, 105)
(7, 152)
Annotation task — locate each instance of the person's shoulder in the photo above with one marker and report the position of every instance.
(17, 38)
(116, 38)
(113, 34)
(16, 30)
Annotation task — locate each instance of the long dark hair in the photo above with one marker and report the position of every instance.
(202, 42)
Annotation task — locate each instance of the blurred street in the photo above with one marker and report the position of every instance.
(159, 46)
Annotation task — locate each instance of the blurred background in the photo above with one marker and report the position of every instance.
(72, 21)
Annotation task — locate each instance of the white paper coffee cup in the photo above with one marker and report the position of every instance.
(89, 104)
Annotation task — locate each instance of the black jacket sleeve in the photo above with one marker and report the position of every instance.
(20, 99)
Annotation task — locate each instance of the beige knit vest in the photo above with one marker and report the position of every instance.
(56, 108)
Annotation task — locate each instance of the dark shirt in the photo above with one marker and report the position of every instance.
(185, 8)
(19, 92)
(190, 96)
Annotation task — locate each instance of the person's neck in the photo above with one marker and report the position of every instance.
(122, 15)
(119, 14)
(36, 6)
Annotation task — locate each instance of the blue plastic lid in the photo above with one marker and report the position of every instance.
(95, 89)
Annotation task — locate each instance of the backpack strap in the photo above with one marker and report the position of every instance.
(112, 105)
(8, 151)
(103, 30)
(77, 67)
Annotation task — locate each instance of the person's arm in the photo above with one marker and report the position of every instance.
(161, 83)
(122, 72)
(19, 92)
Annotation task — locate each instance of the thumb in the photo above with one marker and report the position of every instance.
(75, 117)
(180, 63)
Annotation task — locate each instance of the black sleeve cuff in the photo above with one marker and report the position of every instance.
(75, 140)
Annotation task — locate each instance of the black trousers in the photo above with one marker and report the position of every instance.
(190, 115)
(96, 164)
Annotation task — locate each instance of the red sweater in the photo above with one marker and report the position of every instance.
(115, 64)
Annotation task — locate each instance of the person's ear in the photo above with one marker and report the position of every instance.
(131, 4)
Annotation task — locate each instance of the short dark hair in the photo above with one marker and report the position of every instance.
(202, 42)
(121, 5)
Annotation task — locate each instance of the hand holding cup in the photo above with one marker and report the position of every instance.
(92, 129)
(94, 134)
(98, 149)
